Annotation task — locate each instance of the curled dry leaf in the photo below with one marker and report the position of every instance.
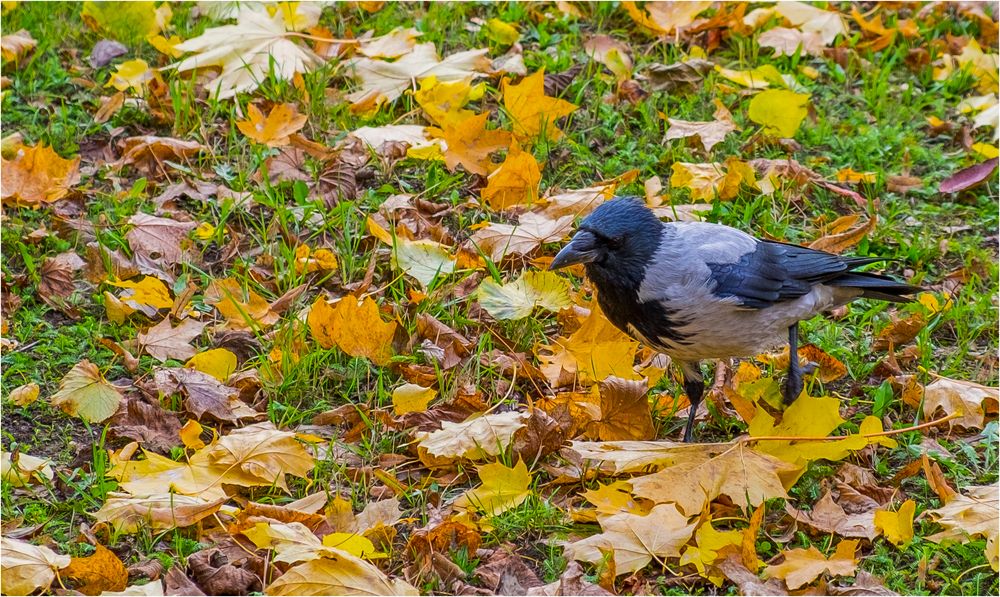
(149, 153)
(147, 422)
(28, 567)
(15, 45)
(900, 331)
(973, 513)
(19, 470)
(214, 573)
(204, 395)
(970, 401)
(679, 76)
(827, 516)
(842, 237)
(966, 178)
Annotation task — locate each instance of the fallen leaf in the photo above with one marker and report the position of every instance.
(965, 178)
(593, 352)
(706, 181)
(147, 296)
(356, 327)
(165, 341)
(100, 572)
(56, 275)
(611, 53)
(779, 111)
(625, 411)
(28, 567)
(424, 259)
(900, 331)
(128, 22)
(143, 420)
(132, 75)
(477, 438)
(443, 102)
(282, 121)
(518, 299)
(158, 239)
(532, 112)
(15, 45)
(827, 516)
(24, 395)
(149, 154)
(217, 575)
(679, 76)
(802, 566)
(515, 182)
(969, 400)
(573, 581)
(897, 526)
(808, 18)
(470, 143)
(865, 584)
(709, 133)
(217, 362)
(242, 307)
(531, 231)
(263, 451)
(383, 81)
(502, 488)
(841, 241)
(973, 513)
(21, 470)
(37, 175)
(761, 77)
(411, 397)
(84, 393)
(746, 476)
(665, 18)
(340, 574)
(635, 540)
(786, 42)
(258, 44)
(203, 394)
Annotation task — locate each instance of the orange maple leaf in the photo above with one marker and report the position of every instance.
(515, 182)
(356, 328)
(532, 111)
(37, 175)
(273, 131)
(470, 143)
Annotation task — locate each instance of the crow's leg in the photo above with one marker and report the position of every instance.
(793, 385)
(694, 387)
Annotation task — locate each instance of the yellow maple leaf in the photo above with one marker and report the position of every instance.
(354, 327)
(503, 488)
(708, 180)
(132, 75)
(282, 121)
(779, 111)
(614, 498)
(242, 308)
(897, 526)
(533, 113)
(515, 182)
(802, 566)
(470, 143)
(443, 102)
(166, 45)
(84, 393)
(592, 353)
(37, 175)
(190, 435)
(517, 299)
(709, 543)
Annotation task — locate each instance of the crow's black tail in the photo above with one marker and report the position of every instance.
(875, 286)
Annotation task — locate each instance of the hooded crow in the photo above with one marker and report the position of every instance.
(695, 290)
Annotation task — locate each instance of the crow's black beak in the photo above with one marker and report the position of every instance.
(581, 249)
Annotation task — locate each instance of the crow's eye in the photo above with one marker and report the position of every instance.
(614, 242)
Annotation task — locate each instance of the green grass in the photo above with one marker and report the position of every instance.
(866, 118)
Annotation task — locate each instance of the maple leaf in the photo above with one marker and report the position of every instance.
(531, 231)
(612, 54)
(148, 296)
(706, 181)
(133, 74)
(515, 182)
(897, 526)
(339, 574)
(786, 42)
(532, 112)
(443, 102)
(746, 476)
(247, 53)
(828, 24)
(709, 543)
(503, 488)
(635, 539)
(263, 451)
(517, 299)
(827, 516)
(593, 352)
(665, 17)
(353, 326)
(625, 411)
(615, 498)
(165, 341)
(973, 513)
(779, 111)
(709, 133)
(84, 393)
(28, 567)
(802, 566)
(243, 309)
(476, 438)
(37, 175)
(283, 120)
(969, 400)
(128, 514)
(761, 77)
(383, 81)
(470, 143)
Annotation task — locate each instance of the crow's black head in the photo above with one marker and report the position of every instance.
(615, 243)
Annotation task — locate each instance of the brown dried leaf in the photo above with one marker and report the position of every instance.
(56, 275)
(204, 395)
(149, 153)
(625, 411)
(158, 239)
(678, 77)
(145, 422)
(840, 242)
(900, 331)
(827, 516)
(164, 341)
(216, 576)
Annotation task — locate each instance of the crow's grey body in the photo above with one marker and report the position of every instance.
(700, 291)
